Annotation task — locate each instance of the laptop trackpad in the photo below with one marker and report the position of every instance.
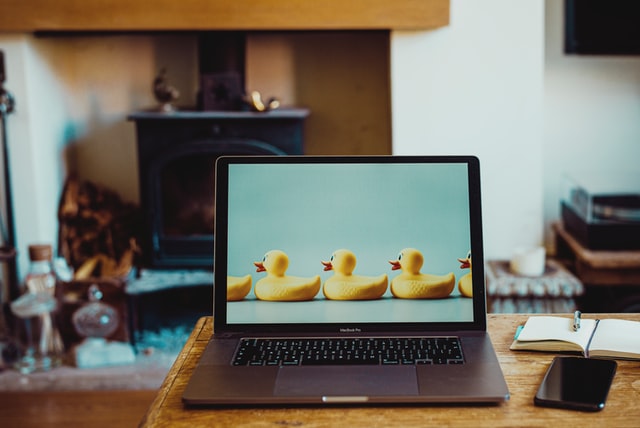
(346, 381)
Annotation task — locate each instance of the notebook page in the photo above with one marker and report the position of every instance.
(544, 328)
(621, 336)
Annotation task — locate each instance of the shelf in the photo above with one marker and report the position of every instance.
(284, 113)
(169, 15)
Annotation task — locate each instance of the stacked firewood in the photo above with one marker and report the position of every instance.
(98, 231)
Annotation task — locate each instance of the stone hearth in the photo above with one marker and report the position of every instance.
(155, 353)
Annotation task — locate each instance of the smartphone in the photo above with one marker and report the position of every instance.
(576, 383)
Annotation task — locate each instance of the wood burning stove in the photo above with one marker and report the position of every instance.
(177, 151)
(176, 158)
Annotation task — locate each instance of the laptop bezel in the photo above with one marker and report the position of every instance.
(221, 326)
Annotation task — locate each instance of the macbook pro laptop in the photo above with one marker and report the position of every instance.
(348, 280)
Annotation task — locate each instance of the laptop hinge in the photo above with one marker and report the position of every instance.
(228, 335)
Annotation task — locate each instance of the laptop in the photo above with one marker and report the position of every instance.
(322, 261)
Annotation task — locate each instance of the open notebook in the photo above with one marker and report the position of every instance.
(359, 251)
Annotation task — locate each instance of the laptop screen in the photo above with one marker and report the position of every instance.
(350, 242)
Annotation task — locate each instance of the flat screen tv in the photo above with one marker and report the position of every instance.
(602, 27)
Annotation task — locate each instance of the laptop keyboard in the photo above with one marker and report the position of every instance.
(348, 351)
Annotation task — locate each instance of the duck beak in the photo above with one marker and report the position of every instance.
(327, 266)
(465, 264)
(395, 264)
(260, 266)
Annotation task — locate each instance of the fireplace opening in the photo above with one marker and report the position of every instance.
(177, 154)
(187, 207)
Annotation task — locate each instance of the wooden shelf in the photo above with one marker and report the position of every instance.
(597, 267)
(171, 15)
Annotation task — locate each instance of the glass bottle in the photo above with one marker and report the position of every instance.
(36, 309)
(40, 276)
(95, 319)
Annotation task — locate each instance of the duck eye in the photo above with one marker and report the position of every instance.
(400, 256)
(331, 259)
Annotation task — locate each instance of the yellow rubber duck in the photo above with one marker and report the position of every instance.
(344, 285)
(465, 284)
(238, 287)
(411, 284)
(277, 286)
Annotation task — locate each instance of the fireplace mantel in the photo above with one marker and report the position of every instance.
(172, 15)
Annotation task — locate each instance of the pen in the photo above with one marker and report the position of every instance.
(576, 320)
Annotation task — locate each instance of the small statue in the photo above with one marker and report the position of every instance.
(255, 102)
(164, 93)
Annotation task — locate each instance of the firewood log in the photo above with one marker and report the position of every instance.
(98, 232)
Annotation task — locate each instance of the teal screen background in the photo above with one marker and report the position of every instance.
(375, 210)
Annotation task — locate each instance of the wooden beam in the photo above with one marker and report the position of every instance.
(172, 15)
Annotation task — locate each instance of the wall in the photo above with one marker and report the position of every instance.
(72, 96)
(496, 83)
(592, 117)
(476, 87)
(39, 179)
(343, 77)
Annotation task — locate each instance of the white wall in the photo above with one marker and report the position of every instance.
(72, 99)
(37, 179)
(592, 116)
(475, 87)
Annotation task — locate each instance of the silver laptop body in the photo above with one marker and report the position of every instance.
(285, 226)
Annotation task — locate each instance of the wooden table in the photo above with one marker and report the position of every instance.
(523, 372)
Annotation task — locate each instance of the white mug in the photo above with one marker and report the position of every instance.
(528, 261)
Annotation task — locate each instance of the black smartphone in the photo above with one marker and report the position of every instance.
(576, 383)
